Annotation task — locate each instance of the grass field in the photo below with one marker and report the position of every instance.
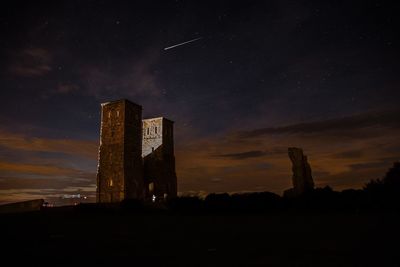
(71, 238)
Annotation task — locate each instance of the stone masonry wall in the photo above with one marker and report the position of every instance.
(159, 160)
(136, 157)
(120, 163)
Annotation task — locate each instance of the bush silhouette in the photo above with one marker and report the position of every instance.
(385, 192)
(392, 177)
(186, 204)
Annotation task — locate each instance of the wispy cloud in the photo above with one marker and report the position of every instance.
(136, 79)
(32, 169)
(349, 154)
(31, 62)
(20, 181)
(16, 141)
(45, 182)
(343, 153)
(346, 127)
(65, 88)
(243, 155)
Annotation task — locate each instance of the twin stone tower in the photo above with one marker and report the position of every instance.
(136, 157)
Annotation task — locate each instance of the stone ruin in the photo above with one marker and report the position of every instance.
(136, 157)
(302, 177)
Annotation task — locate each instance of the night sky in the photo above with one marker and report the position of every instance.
(321, 75)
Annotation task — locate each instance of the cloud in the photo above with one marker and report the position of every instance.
(246, 164)
(368, 165)
(65, 88)
(140, 77)
(16, 141)
(44, 164)
(22, 181)
(349, 154)
(258, 159)
(134, 79)
(51, 195)
(37, 169)
(31, 62)
(8, 183)
(344, 127)
(243, 155)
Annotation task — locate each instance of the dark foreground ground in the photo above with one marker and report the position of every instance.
(71, 238)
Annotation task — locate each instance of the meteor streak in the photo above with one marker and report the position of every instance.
(173, 46)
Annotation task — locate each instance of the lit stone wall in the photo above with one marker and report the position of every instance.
(152, 135)
(159, 161)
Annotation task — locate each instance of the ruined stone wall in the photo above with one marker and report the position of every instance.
(134, 185)
(152, 135)
(134, 154)
(120, 170)
(169, 157)
(159, 159)
(302, 177)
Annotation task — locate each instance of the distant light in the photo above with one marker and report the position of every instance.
(48, 205)
(72, 196)
(154, 198)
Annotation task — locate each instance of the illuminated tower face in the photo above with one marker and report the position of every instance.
(120, 168)
(159, 159)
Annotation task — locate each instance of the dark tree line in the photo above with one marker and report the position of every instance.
(377, 195)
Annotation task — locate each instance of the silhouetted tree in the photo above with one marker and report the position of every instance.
(186, 204)
(218, 202)
(385, 192)
(255, 202)
(392, 177)
(390, 182)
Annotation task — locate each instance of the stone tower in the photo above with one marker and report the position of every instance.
(120, 166)
(159, 160)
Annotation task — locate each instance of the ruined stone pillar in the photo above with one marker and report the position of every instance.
(302, 178)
